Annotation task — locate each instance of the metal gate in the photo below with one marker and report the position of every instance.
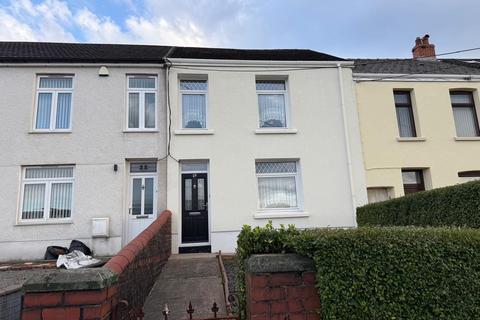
(191, 314)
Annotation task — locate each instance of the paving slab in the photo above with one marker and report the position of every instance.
(187, 277)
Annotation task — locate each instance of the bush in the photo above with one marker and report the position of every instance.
(260, 240)
(383, 273)
(451, 206)
(396, 273)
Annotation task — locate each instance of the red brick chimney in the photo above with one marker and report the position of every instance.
(423, 49)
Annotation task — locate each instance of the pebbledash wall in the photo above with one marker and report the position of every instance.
(330, 161)
(96, 142)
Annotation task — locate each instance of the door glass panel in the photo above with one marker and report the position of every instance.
(137, 196)
(201, 194)
(148, 203)
(188, 194)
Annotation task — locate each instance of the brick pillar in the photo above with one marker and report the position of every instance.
(281, 286)
(86, 294)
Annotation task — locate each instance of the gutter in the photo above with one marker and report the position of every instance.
(80, 65)
(347, 145)
(359, 77)
(257, 63)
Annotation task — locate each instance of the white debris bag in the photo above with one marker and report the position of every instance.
(75, 260)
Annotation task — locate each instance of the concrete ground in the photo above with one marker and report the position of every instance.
(187, 277)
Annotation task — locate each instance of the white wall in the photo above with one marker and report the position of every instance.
(96, 143)
(319, 144)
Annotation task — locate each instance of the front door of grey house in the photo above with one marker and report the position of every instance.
(142, 209)
(194, 208)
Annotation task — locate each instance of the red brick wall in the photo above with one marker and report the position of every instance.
(140, 262)
(74, 305)
(137, 266)
(282, 295)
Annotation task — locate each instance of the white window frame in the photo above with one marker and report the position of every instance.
(53, 106)
(183, 91)
(286, 99)
(298, 186)
(141, 103)
(48, 187)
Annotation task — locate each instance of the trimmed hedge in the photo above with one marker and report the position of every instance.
(384, 273)
(457, 205)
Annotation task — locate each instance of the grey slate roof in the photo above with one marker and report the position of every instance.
(252, 54)
(411, 66)
(24, 52)
(75, 52)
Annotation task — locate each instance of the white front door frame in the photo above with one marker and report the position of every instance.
(137, 222)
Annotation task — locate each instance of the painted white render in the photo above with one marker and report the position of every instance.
(96, 142)
(232, 142)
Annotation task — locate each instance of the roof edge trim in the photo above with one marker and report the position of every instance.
(257, 63)
(413, 77)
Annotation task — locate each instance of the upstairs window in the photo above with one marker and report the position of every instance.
(404, 110)
(464, 114)
(277, 184)
(54, 103)
(194, 104)
(142, 103)
(47, 194)
(272, 103)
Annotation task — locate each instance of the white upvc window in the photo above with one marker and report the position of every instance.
(272, 103)
(142, 102)
(278, 185)
(193, 97)
(53, 107)
(47, 194)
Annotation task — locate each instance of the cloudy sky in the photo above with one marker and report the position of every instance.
(346, 28)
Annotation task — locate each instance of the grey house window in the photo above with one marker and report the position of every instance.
(464, 114)
(404, 110)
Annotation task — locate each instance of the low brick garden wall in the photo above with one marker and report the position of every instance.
(115, 291)
(281, 286)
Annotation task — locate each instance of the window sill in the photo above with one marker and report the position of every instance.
(49, 131)
(194, 131)
(42, 223)
(467, 138)
(276, 131)
(139, 131)
(280, 214)
(411, 139)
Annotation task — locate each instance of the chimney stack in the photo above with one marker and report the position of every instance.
(423, 50)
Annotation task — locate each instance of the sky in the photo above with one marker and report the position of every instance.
(349, 29)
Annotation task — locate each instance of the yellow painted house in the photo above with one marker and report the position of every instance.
(418, 121)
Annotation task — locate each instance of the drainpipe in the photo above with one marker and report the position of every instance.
(347, 145)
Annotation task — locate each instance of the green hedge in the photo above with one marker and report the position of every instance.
(385, 273)
(451, 206)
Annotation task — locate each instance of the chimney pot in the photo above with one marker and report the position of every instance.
(423, 49)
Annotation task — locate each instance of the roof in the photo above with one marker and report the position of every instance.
(80, 52)
(415, 66)
(49, 52)
(252, 54)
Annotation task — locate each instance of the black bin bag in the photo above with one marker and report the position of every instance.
(80, 246)
(53, 252)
